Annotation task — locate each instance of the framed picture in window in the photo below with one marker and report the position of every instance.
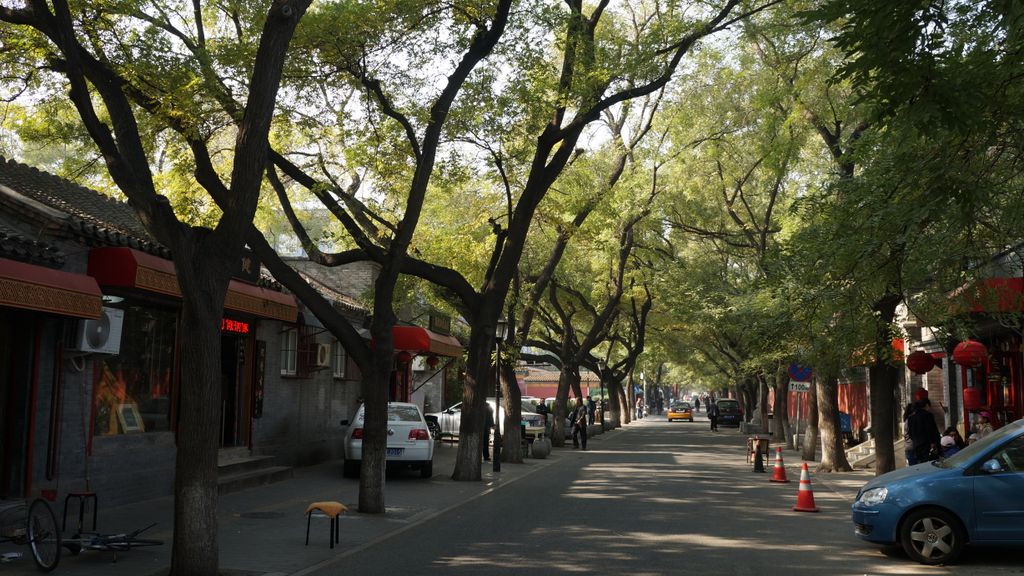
(130, 419)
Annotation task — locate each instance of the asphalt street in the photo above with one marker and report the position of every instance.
(656, 498)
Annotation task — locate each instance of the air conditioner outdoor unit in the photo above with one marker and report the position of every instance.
(323, 355)
(102, 335)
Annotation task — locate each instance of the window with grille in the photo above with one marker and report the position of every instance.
(338, 364)
(290, 352)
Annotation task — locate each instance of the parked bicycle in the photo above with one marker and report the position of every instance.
(110, 542)
(34, 526)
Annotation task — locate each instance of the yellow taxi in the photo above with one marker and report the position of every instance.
(680, 411)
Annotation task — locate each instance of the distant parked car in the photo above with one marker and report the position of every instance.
(409, 442)
(933, 509)
(729, 412)
(680, 411)
(450, 419)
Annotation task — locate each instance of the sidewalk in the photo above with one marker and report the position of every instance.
(262, 530)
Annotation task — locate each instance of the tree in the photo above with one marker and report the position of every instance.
(125, 75)
(591, 81)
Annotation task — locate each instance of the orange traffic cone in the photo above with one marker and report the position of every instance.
(779, 473)
(805, 497)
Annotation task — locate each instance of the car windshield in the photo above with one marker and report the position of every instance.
(403, 414)
(728, 404)
(396, 413)
(983, 445)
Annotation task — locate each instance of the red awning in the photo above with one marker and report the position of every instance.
(418, 339)
(127, 268)
(47, 290)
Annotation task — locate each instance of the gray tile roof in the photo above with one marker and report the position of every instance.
(98, 219)
(16, 245)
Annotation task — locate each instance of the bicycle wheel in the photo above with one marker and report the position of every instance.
(43, 535)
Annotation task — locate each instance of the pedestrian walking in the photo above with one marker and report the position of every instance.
(713, 415)
(542, 409)
(696, 404)
(579, 426)
(923, 433)
(908, 442)
(488, 425)
(591, 409)
(639, 408)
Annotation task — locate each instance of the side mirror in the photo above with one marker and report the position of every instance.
(344, 422)
(992, 466)
(449, 411)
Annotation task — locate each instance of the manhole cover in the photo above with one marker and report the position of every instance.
(262, 515)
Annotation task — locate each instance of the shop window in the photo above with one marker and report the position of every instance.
(290, 352)
(298, 351)
(340, 358)
(132, 391)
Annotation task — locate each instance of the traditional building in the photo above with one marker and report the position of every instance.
(90, 354)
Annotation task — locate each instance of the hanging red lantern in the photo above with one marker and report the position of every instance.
(920, 362)
(970, 353)
(403, 357)
(432, 361)
(972, 398)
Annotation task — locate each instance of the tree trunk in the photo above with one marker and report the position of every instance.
(615, 404)
(512, 435)
(780, 409)
(762, 402)
(374, 389)
(810, 447)
(195, 545)
(474, 399)
(833, 457)
(565, 384)
(884, 380)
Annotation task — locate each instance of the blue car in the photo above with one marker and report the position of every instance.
(933, 509)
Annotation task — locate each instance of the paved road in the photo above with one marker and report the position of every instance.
(658, 498)
(652, 498)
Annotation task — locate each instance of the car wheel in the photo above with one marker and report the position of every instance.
(691, 418)
(351, 468)
(427, 469)
(932, 536)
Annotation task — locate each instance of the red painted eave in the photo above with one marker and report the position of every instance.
(416, 339)
(46, 290)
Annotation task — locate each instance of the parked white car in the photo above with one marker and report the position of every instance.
(450, 419)
(409, 442)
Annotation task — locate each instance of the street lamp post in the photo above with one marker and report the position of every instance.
(499, 337)
(604, 400)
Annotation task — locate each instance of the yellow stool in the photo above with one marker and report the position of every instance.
(330, 509)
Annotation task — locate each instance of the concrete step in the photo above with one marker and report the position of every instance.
(866, 458)
(250, 478)
(236, 465)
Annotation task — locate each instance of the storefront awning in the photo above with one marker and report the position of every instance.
(47, 290)
(127, 268)
(416, 339)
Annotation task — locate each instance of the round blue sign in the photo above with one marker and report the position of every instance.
(800, 373)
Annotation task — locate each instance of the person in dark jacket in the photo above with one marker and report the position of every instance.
(923, 433)
(579, 425)
(488, 425)
(713, 414)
